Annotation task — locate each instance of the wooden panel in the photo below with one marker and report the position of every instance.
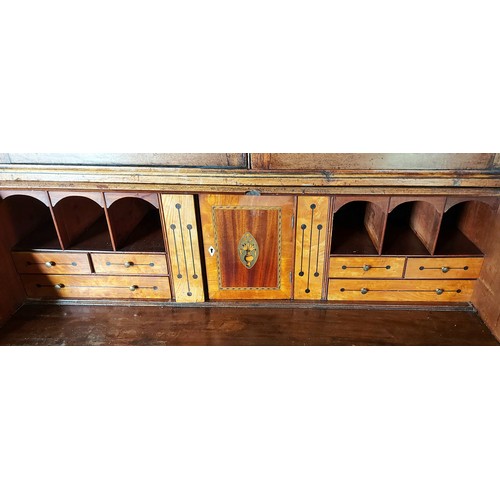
(167, 159)
(425, 221)
(444, 267)
(57, 196)
(53, 286)
(181, 228)
(269, 219)
(129, 263)
(401, 290)
(51, 262)
(12, 293)
(369, 267)
(310, 244)
(151, 198)
(39, 195)
(370, 161)
(486, 296)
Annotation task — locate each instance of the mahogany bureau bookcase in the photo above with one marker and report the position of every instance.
(325, 229)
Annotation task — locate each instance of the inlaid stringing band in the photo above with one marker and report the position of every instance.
(303, 228)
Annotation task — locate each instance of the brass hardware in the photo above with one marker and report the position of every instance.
(439, 291)
(445, 269)
(50, 264)
(129, 264)
(133, 288)
(211, 251)
(248, 250)
(366, 267)
(364, 291)
(59, 286)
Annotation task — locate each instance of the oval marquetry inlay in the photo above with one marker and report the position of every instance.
(248, 250)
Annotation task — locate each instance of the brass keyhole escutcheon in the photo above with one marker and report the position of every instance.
(248, 250)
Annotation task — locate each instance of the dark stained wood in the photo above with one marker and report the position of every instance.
(135, 225)
(425, 222)
(12, 292)
(81, 221)
(486, 297)
(166, 159)
(370, 161)
(87, 325)
(27, 224)
(350, 235)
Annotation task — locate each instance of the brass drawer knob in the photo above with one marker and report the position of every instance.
(366, 267)
(50, 263)
(364, 291)
(133, 288)
(439, 291)
(59, 286)
(128, 264)
(445, 269)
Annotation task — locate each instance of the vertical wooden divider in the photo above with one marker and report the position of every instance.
(179, 218)
(312, 230)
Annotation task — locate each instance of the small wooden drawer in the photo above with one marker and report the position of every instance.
(401, 290)
(366, 267)
(444, 267)
(129, 263)
(55, 286)
(51, 263)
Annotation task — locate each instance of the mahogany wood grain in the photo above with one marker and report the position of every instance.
(129, 263)
(443, 268)
(32, 193)
(366, 267)
(401, 290)
(269, 219)
(241, 326)
(370, 161)
(51, 262)
(51, 286)
(151, 198)
(310, 246)
(166, 159)
(181, 228)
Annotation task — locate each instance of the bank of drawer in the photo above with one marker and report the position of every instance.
(51, 263)
(444, 267)
(107, 263)
(366, 267)
(401, 290)
(55, 286)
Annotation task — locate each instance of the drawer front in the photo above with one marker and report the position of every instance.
(51, 263)
(444, 267)
(107, 263)
(55, 286)
(366, 267)
(401, 290)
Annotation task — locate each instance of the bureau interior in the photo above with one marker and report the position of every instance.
(75, 238)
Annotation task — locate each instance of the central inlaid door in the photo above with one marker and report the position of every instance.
(248, 244)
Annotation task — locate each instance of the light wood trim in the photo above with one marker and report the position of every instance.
(377, 267)
(95, 286)
(401, 290)
(51, 262)
(197, 180)
(129, 263)
(57, 196)
(39, 195)
(138, 159)
(181, 228)
(433, 267)
(310, 244)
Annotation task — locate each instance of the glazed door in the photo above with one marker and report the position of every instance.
(248, 244)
